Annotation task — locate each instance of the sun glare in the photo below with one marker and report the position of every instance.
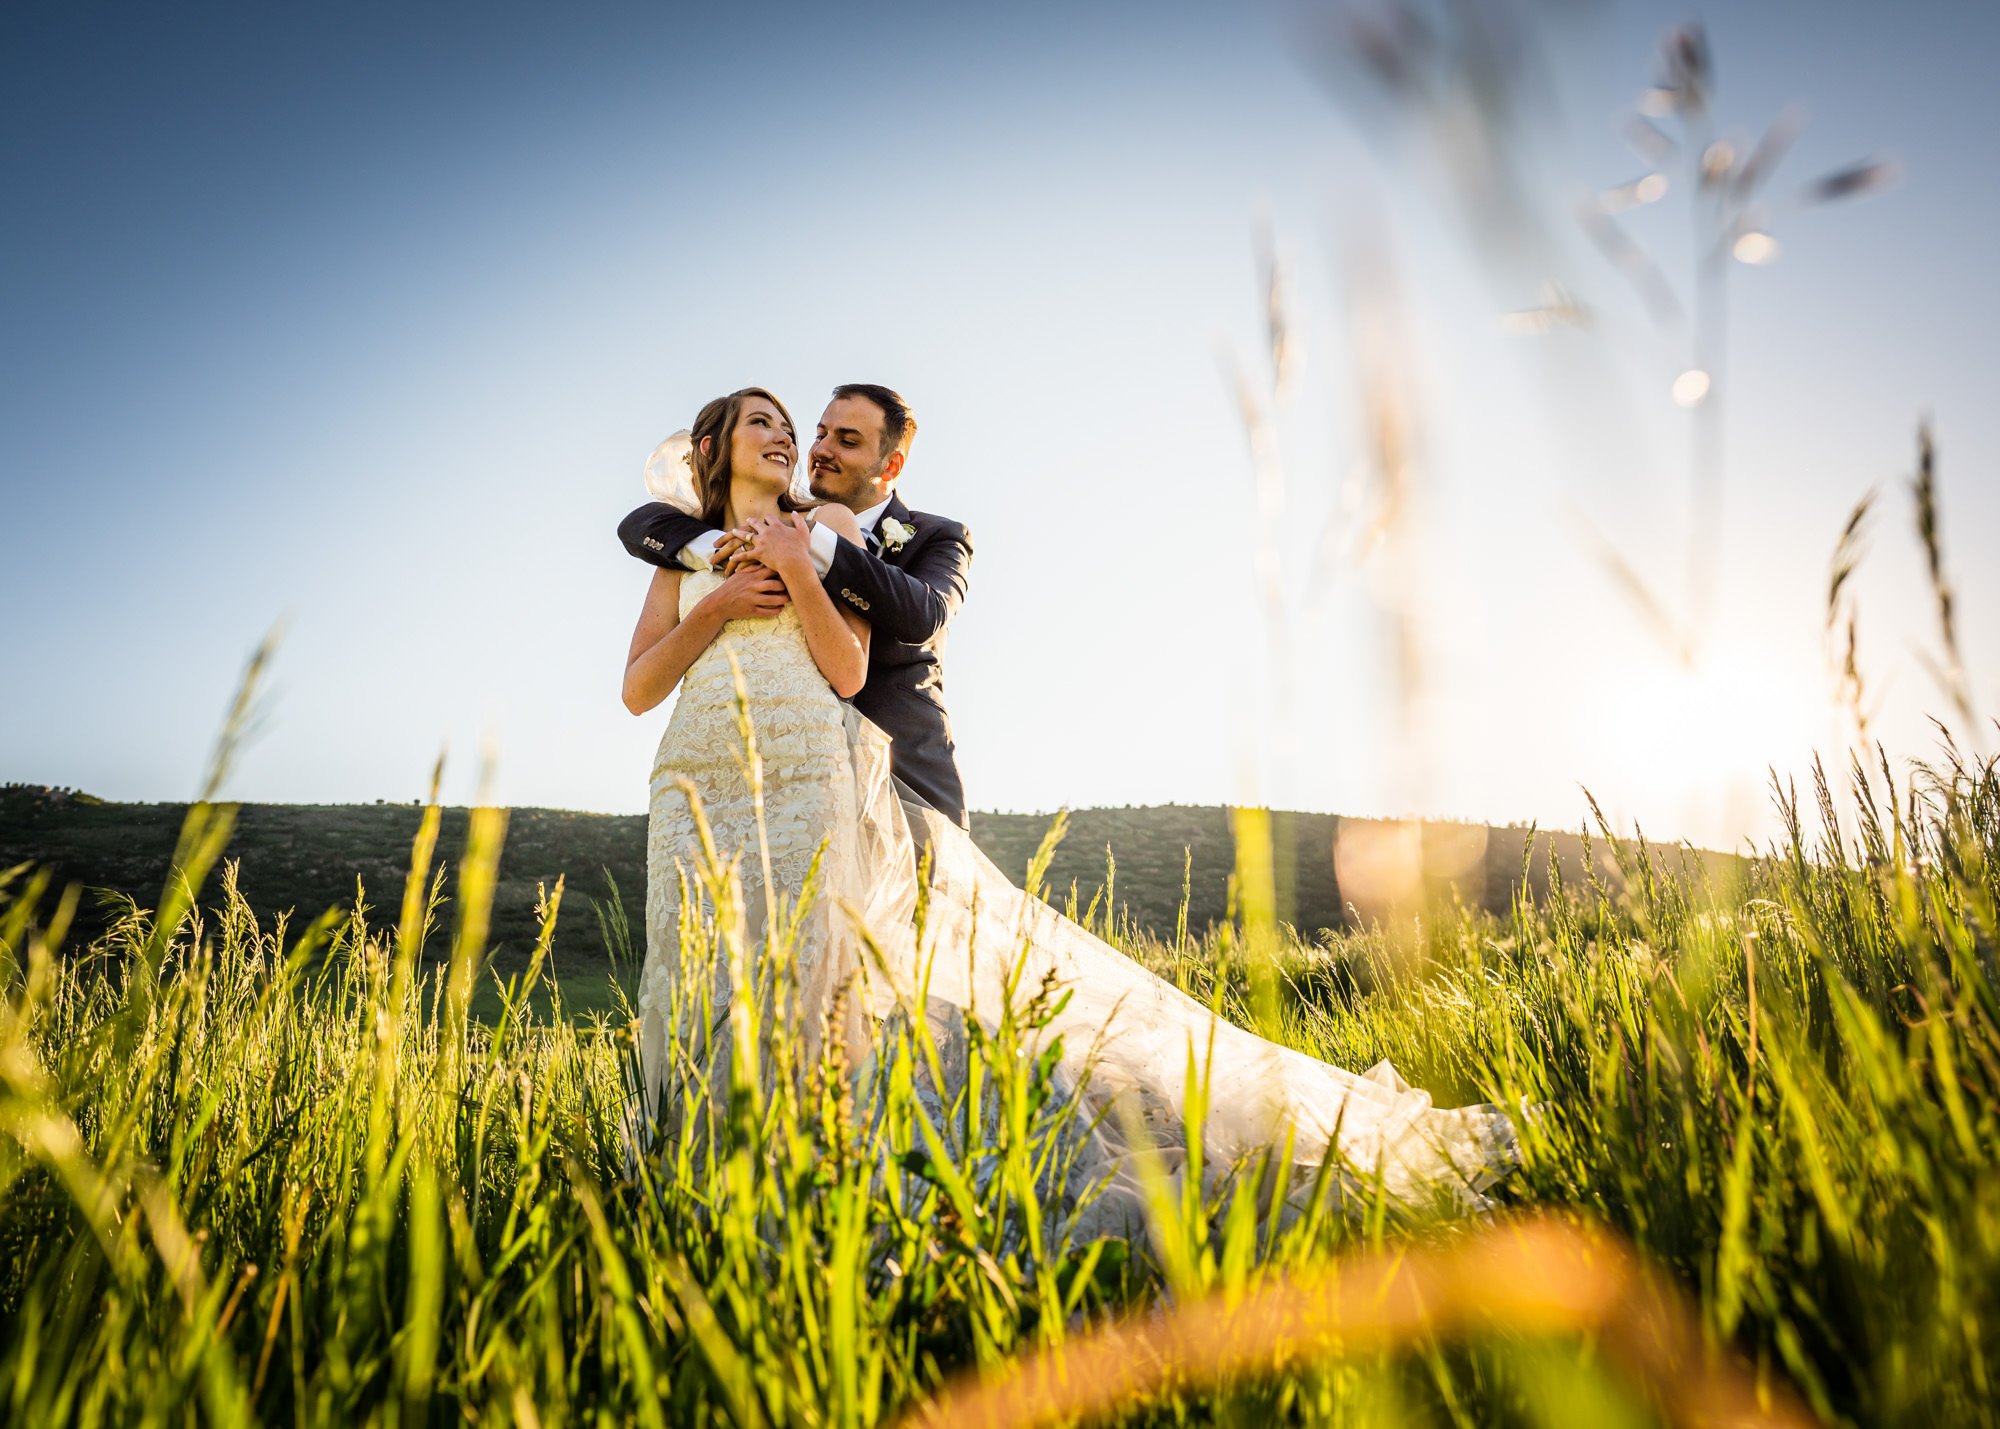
(1688, 751)
(1691, 387)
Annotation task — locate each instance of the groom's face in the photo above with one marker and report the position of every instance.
(847, 464)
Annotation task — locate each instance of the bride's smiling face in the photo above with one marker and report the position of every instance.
(763, 448)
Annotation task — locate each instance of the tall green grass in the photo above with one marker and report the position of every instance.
(281, 1173)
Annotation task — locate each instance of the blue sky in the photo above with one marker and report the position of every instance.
(366, 317)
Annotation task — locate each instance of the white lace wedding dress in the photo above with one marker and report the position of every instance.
(1125, 1034)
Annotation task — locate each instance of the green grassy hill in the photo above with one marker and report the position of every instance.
(1154, 850)
(309, 857)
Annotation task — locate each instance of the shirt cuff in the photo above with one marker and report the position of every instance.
(698, 554)
(824, 543)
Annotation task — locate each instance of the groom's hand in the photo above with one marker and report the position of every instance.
(785, 545)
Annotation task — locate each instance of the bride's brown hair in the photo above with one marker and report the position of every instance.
(712, 473)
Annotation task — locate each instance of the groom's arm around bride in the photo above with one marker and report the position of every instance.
(909, 590)
(908, 583)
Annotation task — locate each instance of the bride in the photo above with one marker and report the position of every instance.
(764, 763)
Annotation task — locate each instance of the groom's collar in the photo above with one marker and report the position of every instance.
(894, 507)
(872, 517)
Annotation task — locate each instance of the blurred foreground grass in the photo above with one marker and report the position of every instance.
(283, 1173)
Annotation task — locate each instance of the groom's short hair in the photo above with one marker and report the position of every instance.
(899, 428)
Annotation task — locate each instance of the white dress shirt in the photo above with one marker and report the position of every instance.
(698, 554)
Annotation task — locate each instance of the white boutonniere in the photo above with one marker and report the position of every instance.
(895, 534)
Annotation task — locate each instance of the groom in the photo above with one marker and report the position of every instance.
(909, 582)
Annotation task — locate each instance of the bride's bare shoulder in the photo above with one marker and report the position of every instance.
(839, 520)
(663, 594)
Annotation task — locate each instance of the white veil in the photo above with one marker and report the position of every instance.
(670, 475)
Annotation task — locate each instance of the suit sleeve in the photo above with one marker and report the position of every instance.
(656, 532)
(911, 602)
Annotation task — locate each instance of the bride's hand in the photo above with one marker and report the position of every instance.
(752, 592)
(729, 551)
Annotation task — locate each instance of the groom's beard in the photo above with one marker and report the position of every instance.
(855, 493)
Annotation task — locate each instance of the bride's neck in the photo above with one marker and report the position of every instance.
(748, 503)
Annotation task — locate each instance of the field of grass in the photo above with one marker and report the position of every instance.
(286, 1173)
(297, 860)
